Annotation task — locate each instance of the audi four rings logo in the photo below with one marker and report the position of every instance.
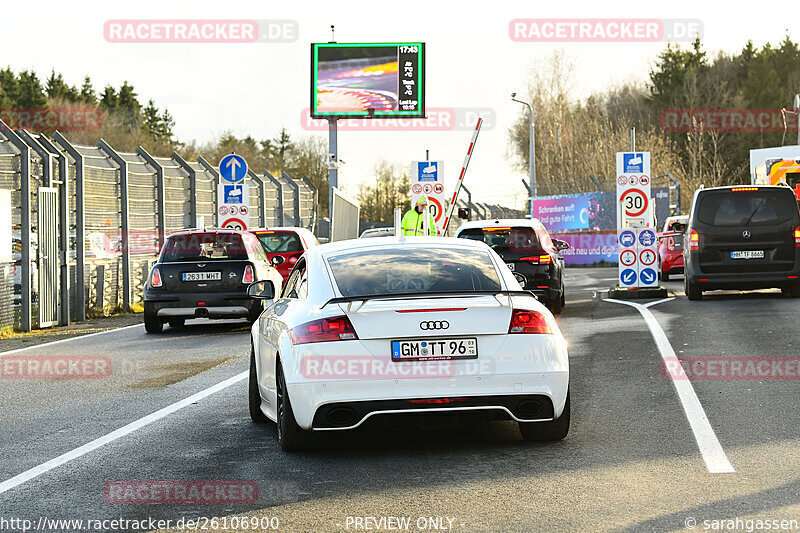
(434, 324)
(746, 234)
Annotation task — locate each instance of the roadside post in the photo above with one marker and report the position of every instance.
(233, 194)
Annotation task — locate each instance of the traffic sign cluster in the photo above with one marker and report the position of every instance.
(636, 237)
(233, 194)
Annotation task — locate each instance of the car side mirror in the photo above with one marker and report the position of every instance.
(463, 213)
(560, 245)
(261, 290)
(277, 260)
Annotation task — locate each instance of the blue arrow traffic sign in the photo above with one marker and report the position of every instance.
(648, 276)
(647, 238)
(233, 168)
(628, 277)
(627, 238)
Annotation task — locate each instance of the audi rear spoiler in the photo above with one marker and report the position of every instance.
(421, 295)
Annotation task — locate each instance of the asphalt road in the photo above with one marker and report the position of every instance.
(631, 462)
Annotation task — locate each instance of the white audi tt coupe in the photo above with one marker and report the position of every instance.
(387, 326)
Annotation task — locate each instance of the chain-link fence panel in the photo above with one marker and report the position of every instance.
(307, 201)
(273, 202)
(177, 195)
(143, 243)
(103, 225)
(206, 194)
(289, 200)
(10, 180)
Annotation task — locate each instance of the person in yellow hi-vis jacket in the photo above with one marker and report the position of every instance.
(412, 223)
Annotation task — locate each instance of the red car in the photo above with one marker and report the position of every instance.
(670, 247)
(284, 246)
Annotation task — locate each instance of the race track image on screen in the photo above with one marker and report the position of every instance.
(384, 79)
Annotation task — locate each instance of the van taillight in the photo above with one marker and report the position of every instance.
(694, 240)
(523, 321)
(326, 329)
(155, 278)
(797, 237)
(248, 276)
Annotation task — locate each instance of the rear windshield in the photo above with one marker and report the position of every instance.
(204, 247)
(743, 208)
(278, 242)
(393, 270)
(508, 242)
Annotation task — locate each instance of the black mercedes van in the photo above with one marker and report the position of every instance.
(743, 238)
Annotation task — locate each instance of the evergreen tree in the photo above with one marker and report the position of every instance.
(87, 92)
(31, 92)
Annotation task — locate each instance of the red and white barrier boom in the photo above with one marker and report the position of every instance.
(461, 176)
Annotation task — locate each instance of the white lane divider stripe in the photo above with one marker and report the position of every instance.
(69, 339)
(117, 434)
(716, 460)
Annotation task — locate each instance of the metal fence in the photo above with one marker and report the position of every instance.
(114, 210)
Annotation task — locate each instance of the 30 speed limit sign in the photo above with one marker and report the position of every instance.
(634, 202)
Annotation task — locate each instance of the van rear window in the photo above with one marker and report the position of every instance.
(743, 208)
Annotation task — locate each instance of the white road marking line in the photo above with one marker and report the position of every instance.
(710, 448)
(117, 434)
(69, 339)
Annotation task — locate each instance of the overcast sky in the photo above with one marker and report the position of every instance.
(257, 88)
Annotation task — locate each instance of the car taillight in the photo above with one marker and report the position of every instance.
(326, 329)
(694, 240)
(797, 237)
(155, 278)
(523, 321)
(541, 259)
(248, 276)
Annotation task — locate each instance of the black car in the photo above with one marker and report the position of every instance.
(528, 250)
(743, 237)
(205, 274)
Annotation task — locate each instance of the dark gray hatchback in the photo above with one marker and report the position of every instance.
(743, 237)
(205, 274)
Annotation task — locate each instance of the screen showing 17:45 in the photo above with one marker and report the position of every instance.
(367, 80)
